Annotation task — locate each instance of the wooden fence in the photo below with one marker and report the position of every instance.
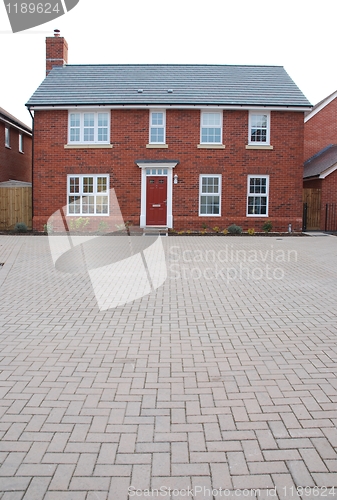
(312, 199)
(15, 206)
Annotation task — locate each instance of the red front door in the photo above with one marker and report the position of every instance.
(156, 197)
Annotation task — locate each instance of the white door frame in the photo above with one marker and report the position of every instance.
(144, 165)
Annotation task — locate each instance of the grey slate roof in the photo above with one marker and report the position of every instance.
(7, 116)
(320, 162)
(191, 84)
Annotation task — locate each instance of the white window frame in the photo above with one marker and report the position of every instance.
(81, 127)
(82, 194)
(250, 126)
(7, 138)
(163, 126)
(20, 143)
(202, 126)
(201, 193)
(257, 195)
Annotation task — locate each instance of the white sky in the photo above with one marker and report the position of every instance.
(297, 34)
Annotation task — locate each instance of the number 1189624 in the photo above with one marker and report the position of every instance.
(33, 8)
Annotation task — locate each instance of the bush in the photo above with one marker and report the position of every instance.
(20, 227)
(267, 226)
(234, 229)
(103, 227)
(48, 228)
(78, 224)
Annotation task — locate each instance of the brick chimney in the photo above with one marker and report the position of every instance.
(56, 51)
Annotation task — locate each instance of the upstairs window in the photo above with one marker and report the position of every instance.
(7, 138)
(209, 194)
(157, 127)
(20, 143)
(259, 128)
(211, 128)
(89, 128)
(257, 202)
(88, 194)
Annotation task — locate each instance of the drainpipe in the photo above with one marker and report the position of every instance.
(32, 164)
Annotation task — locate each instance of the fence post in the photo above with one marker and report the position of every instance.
(304, 218)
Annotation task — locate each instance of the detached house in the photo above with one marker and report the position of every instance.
(15, 171)
(181, 145)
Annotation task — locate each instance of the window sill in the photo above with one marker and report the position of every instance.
(211, 146)
(209, 215)
(86, 215)
(257, 215)
(8, 147)
(88, 146)
(259, 146)
(157, 146)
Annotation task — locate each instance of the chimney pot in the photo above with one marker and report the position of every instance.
(56, 32)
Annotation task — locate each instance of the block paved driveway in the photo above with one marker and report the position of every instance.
(223, 377)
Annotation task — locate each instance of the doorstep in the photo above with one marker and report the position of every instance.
(155, 231)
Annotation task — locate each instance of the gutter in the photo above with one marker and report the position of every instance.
(174, 106)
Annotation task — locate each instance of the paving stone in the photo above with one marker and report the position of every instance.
(161, 464)
(62, 477)
(11, 464)
(276, 467)
(119, 488)
(284, 486)
(196, 441)
(300, 473)
(255, 481)
(237, 463)
(141, 476)
(65, 495)
(37, 488)
(13, 495)
(220, 476)
(313, 461)
(86, 483)
(190, 469)
(326, 480)
(202, 488)
(14, 483)
(179, 453)
(127, 443)
(85, 464)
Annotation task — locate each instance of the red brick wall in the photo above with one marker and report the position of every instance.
(321, 130)
(129, 136)
(13, 164)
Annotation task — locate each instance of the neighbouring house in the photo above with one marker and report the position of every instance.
(15, 149)
(320, 167)
(15, 171)
(182, 146)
